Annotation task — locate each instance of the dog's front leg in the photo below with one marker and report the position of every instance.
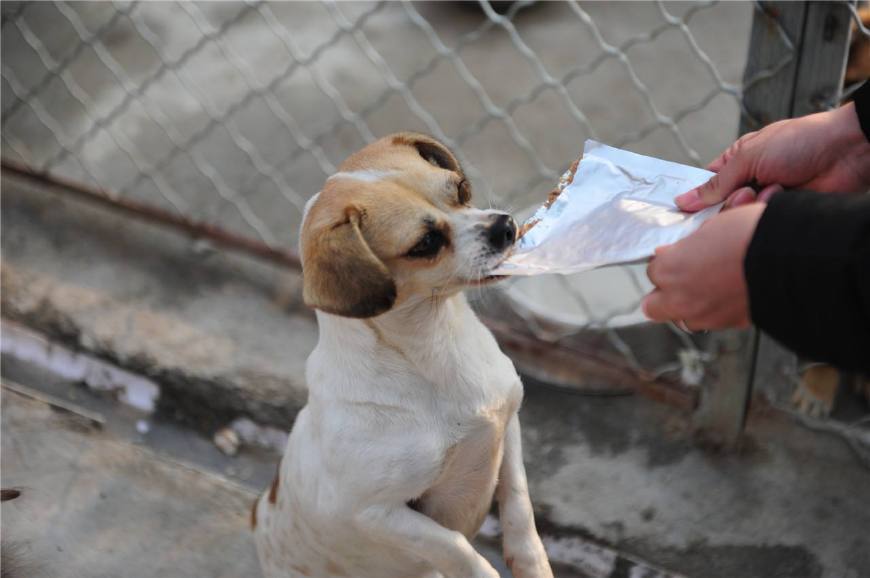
(447, 551)
(523, 550)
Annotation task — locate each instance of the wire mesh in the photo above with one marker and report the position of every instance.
(235, 113)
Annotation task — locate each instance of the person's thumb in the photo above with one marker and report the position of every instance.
(733, 175)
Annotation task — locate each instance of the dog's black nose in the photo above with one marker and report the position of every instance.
(503, 232)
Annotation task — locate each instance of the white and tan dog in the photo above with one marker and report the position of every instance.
(411, 424)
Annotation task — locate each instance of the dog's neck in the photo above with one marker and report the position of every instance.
(441, 342)
(414, 325)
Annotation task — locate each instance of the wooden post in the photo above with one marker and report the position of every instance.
(776, 87)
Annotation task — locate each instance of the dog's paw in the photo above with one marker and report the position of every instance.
(529, 562)
(814, 395)
(529, 569)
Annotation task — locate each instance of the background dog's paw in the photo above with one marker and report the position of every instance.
(814, 395)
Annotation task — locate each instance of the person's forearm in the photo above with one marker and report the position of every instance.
(808, 276)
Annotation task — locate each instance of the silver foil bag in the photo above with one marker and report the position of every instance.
(618, 208)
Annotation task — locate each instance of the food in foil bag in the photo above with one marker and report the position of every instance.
(615, 209)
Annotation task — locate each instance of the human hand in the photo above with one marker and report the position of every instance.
(699, 280)
(824, 152)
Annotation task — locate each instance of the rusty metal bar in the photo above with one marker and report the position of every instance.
(152, 214)
(589, 372)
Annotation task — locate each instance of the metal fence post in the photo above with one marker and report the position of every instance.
(776, 31)
(817, 85)
(807, 45)
(725, 392)
(816, 34)
(823, 56)
(822, 51)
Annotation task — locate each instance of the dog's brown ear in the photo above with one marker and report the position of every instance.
(432, 151)
(437, 154)
(6, 495)
(342, 275)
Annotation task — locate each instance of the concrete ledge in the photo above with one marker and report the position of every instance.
(210, 327)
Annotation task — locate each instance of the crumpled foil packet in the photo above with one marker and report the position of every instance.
(617, 210)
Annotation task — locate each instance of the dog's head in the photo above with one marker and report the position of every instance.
(394, 223)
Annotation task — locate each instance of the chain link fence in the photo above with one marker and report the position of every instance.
(233, 114)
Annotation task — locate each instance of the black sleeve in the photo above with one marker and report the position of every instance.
(861, 98)
(808, 273)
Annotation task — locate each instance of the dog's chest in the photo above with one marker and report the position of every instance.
(477, 442)
(460, 496)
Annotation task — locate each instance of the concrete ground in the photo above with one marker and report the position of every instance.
(93, 505)
(87, 468)
(614, 480)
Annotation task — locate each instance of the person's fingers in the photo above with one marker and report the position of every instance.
(654, 267)
(689, 201)
(720, 161)
(769, 191)
(654, 306)
(652, 272)
(742, 196)
(661, 249)
(716, 164)
(683, 325)
(733, 174)
(747, 195)
(719, 187)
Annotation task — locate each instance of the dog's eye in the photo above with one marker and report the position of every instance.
(428, 246)
(464, 192)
